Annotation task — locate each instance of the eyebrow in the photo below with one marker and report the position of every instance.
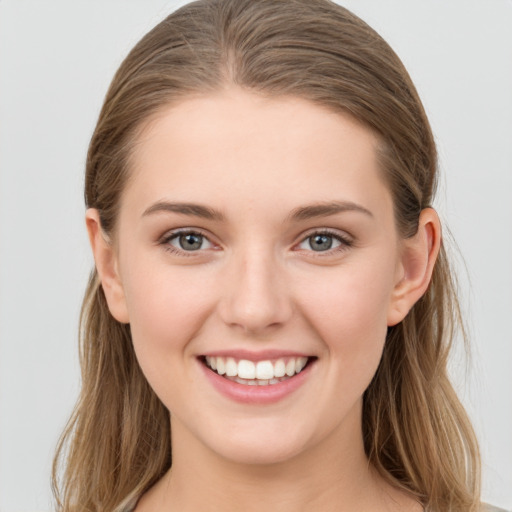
(326, 209)
(193, 209)
(300, 213)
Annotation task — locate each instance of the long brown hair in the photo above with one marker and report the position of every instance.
(416, 433)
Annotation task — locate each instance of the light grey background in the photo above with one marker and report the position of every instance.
(56, 60)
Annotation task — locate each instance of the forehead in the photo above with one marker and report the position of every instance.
(237, 146)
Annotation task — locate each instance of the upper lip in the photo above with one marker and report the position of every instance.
(255, 356)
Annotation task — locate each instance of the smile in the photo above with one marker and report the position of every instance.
(261, 373)
(259, 379)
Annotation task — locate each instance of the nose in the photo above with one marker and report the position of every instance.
(256, 298)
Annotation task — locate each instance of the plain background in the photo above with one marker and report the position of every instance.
(56, 60)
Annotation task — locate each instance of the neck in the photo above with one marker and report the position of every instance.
(309, 478)
(332, 476)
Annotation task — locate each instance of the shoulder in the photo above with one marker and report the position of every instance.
(490, 508)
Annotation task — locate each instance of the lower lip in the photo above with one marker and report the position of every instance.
(246, 394)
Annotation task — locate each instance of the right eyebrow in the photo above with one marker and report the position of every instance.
(192, 209)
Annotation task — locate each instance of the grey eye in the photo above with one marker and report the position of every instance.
(190, 242)
(320, 242)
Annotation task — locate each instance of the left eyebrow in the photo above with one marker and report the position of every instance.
(326, 209)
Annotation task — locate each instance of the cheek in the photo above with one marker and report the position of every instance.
(349, 312)
(167, 309)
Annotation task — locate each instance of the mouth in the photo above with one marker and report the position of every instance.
(268, 372)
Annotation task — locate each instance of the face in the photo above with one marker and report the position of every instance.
(256, 239)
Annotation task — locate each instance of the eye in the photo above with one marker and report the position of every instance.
(188, 241)
(324, 241)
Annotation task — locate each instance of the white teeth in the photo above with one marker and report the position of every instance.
(246, 369)
(290, 367)
(231, 367)
(300, 362)
(264, 370)
(221, 367)
(280, 368)
(261, 373)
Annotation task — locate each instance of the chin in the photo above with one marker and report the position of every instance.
(259, 453)
(261, 444)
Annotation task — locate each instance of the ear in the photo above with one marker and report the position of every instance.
(107, 266)
(418, 256)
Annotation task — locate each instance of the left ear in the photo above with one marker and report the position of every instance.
(418, 256)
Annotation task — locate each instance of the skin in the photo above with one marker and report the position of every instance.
(255, 284)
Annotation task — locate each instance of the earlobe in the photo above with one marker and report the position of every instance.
(107, 266)
(419, 254)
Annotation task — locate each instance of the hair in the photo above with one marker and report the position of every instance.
(416, 433)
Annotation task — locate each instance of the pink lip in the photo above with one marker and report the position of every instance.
(256, 394)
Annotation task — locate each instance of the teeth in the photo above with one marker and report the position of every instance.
(231, 367)
(290, 367)
(279, 368)
(264, 370)
(221, 366)
(300, 362)
(261, 373)
(246, 369)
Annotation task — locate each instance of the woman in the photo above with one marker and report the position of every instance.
(271, 312)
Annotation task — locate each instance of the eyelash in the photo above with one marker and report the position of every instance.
(168, 237)
(345, 242)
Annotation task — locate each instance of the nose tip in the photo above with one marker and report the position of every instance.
(256, 298)
(256, 315)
